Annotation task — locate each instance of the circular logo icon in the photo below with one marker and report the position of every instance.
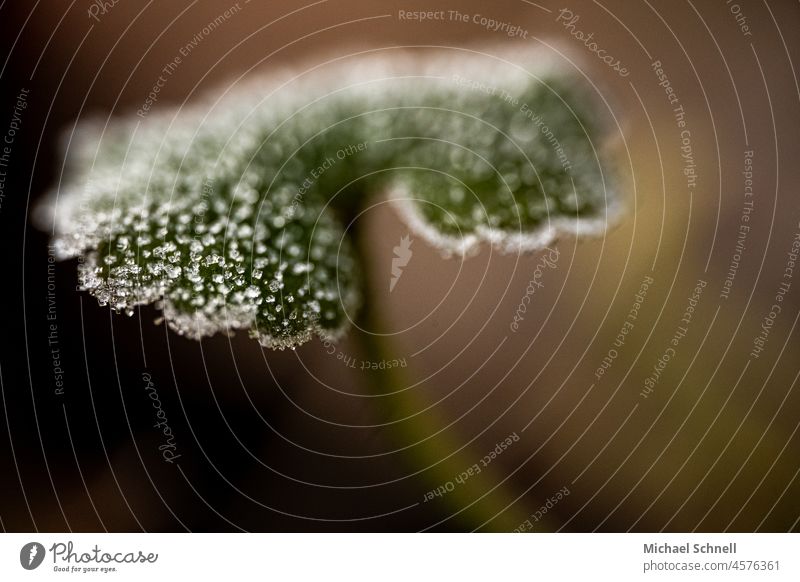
(31, 555)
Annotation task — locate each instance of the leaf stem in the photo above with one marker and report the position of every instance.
(480, 501)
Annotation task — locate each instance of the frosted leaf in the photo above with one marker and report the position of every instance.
(165, 222)
(230, 214)
(529, 168)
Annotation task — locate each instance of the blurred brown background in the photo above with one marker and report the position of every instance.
(298, 441)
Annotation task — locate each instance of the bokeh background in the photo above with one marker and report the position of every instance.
(298, 441)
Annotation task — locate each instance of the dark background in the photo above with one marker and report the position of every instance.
(265, 447)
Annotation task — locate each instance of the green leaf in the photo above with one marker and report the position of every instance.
(179, 219)
(515, 172)
(233, 214)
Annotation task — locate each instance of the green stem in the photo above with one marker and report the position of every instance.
(481, 498)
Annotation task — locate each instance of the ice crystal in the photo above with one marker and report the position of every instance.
(230, 214)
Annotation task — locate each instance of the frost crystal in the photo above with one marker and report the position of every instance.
(230, 214)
